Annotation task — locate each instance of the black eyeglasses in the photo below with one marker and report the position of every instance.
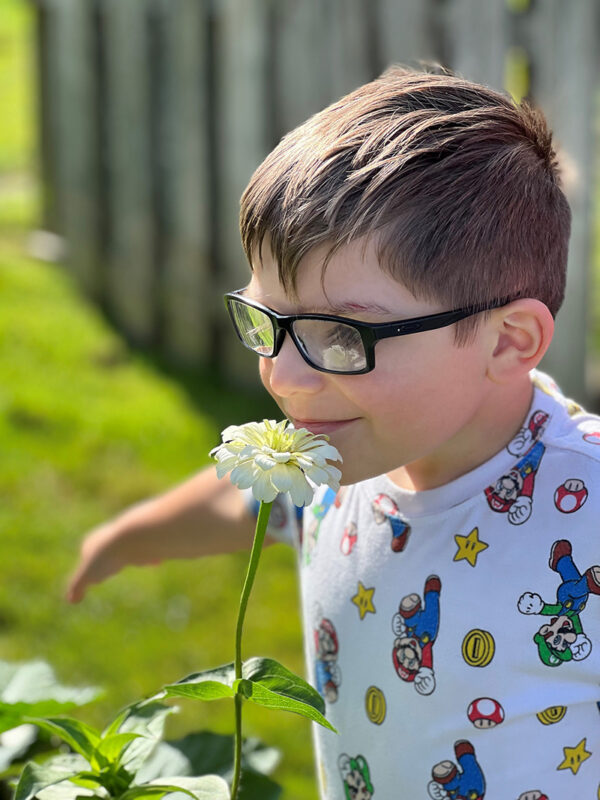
(329, 344)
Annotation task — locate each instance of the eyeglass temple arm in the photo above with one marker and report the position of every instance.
(434, 321)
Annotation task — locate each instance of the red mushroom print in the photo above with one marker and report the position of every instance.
(485, 712)
(570, 496)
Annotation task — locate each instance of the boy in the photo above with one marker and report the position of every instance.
(418, 228)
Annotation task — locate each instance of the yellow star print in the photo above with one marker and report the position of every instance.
(469, 547)
(364, 600)
(574, 757)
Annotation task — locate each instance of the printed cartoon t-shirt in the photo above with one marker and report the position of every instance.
(454, 633)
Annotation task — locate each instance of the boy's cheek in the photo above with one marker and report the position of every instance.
(264, 371)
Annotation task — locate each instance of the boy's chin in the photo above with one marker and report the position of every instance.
(355, 473)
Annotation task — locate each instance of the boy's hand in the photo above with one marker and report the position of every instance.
(101, 556)
(201, 517)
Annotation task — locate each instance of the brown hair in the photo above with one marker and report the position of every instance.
(459, 184)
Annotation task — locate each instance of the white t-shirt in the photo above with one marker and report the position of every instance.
(455, 633)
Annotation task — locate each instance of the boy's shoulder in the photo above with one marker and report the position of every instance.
(566, 427)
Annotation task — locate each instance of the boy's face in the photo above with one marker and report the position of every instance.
(420, 401)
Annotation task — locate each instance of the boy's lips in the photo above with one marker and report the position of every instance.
(321, 425)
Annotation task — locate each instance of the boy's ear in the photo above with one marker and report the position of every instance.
(522, 332)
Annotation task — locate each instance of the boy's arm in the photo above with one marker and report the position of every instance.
(203, 516)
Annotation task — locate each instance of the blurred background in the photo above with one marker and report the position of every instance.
(128, 129)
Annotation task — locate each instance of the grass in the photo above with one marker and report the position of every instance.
(80, 441)
(89, 426)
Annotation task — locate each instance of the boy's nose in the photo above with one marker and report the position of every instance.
(288, 373)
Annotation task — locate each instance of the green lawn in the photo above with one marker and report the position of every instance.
(87, 427)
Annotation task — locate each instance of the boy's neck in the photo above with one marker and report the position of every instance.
(497, 421)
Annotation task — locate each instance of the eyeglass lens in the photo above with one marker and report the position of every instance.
(331, 345)
(254, 327)
(327, 344)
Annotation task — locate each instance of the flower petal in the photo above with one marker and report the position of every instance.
(263, 489)
(274, 457)
(282, 477)
(244, 475)
(301, 492)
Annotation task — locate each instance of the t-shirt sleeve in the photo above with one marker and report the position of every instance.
(285, 522)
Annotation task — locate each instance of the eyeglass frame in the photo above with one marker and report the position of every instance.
(370, 333)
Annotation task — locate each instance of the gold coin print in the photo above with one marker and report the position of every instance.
(478, 648)
(551, 715)
(375, 705)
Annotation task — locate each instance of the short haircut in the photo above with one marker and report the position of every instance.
(459, 184)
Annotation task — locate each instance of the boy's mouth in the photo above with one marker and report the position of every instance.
(317, 426)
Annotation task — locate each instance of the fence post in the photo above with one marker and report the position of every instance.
(564, 74)
(477, 39)
(242, 141)
(301, 84)
(131, 280)
(185, 281)
(405, 34)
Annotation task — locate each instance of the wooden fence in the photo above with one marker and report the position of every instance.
(156, 112)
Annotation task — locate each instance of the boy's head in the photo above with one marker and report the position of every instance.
(457, 185)
(414, 195)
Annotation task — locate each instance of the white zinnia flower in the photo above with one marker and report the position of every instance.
(275, 457)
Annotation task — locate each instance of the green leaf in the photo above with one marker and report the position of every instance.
(31, 689)
(110, 748)
(87, 779)
(147, 718)
(264, 681)
(15, 743)
(36, 777)
(268, 683)
(207, 787)
(254, 786)
(212, 684)
(205, 752)
(80, 737)
(65, 791)
(148, 721)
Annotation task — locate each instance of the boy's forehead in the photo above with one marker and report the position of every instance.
(348, 281)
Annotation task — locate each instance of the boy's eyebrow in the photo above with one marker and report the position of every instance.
(348, 307)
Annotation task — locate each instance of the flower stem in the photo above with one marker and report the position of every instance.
(259, 536)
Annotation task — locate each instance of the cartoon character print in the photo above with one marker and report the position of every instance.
(533, 794)
(551, 388)
(529, 434)
(356, 777)
(563, 639)
(512, 494)
(319, 511)
(570, 496)
(416, 627)
(485, 712)
(327, 672)
(349, 537)
(462, 781)
(385, 508)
